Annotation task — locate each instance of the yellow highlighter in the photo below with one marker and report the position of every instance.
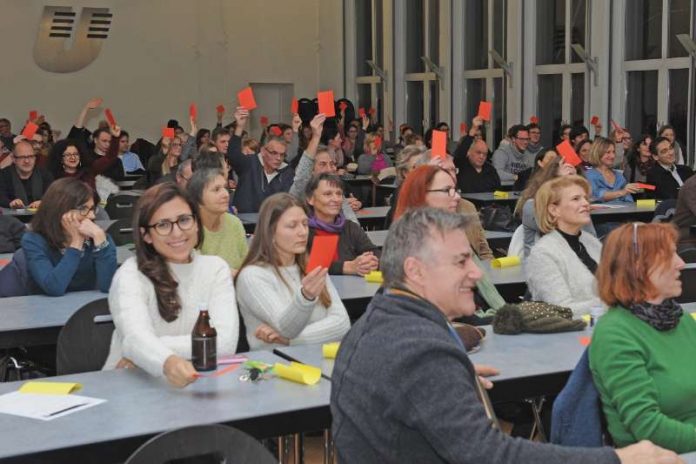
(507, 261)
(330, 350)
(296, 372)
(646, 203)
(50, 388)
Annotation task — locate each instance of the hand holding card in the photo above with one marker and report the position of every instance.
(567, 153)
(485, 109)
(323, 251)
(246, 98)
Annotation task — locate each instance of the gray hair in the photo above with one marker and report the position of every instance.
(200, 180)
(427, 156)
(410, 235)
(182, 166)
(405, 156)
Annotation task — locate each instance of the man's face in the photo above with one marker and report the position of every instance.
(5, 129)
(566, 134)
(222, 142)
(273, 154)
(580, 138)
(448, 275)
(24, 159)
(665, 153)
(123, 144)
(102, 141)
(477, 154)
(324, 163)
(534, 135)
(521, 140)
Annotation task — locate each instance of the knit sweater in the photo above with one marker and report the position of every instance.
(146, 339)
(265, 299)
(403, 391)
(646, 379)
(556, 275)
(229, 242)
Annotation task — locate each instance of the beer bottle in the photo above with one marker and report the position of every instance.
(204, 343)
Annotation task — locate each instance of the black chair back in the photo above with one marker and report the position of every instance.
(121, 206)
(121, 231)
(83, 343)
(688, 278)
(219, 443)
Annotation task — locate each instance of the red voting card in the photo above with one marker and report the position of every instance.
(275, 130)
(263, 120)
(323, 251)
(534, 120)
(378, 143)
(193, 111)
(326, 103)
(485, 110)
(361, 112)
(567, 153)
(168, 132)
(29, 130)
(33, 115)
(294, 106)
(584, 340)
(439, 143)
(594, 121)
(372, 111)
(463, 128)
(246, 98)
(220, 109)
(343, 105)
(110, 117)
(645, 186)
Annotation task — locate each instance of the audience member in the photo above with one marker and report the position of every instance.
(667, 131)
(184, 172)
(373, 160)
(608, 184)
(639, 160)
(534, 146)
(541, 159)
(131, 161)
(582, 148)
(476, 174)
(685, 211)
(6, 135)
(512, 158)
(577, 134)
(23, 184)
(665, 175)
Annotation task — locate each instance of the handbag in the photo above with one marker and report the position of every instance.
(498, 217)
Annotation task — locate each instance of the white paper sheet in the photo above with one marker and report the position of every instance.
(44, 407)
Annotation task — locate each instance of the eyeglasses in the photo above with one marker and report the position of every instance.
(451, 191)
(24, 158)
(523, 139)
(165, 226)
(175, 145)
(84, 210)
(71, 155)
(277, 154)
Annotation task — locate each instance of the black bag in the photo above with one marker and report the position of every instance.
(497, 217)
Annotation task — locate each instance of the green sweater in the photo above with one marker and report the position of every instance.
(229, 242)
(646, 380)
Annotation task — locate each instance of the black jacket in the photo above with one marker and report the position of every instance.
(40, 179)
(471, 181)
(666, 187)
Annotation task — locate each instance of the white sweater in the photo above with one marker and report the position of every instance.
(264, 298)
(146, 339)
(556, 275)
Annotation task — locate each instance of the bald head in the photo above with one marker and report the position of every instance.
(477, 154)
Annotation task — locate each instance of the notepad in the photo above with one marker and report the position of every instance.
(507, 261)
(50, 388)
(330, 350)
(500, 194)
(374, 277)
(44, 407)
(296, 372)
(646, 203)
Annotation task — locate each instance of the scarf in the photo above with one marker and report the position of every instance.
(663, 316)
(19, 190)
(335, 228)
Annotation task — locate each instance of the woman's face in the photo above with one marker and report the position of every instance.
(71, 158)
(352, 132)
(442, 193)
(644, 149)
(548, 157)
(669, 134)
(287, 135)
(205, 140)
(290, 237)
(336, 141)
(175, 246)
(666, 278)
(216, 198)
(175, 147)
(585, 152)
(573, 208)
(326, 200)
(608, 157)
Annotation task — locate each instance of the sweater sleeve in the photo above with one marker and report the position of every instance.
(260, 292)
(53, 280)
(333, 326)
(618, 361)
(500, 163)
(303, 173)
(530, 227)
(105, 264)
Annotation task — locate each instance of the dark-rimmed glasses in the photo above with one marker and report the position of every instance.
(451, 191)
(84, 210)
(164, 227)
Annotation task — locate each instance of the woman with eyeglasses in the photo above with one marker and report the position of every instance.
(156, 296)
(65, 250)
(641, 355)
(166, 161)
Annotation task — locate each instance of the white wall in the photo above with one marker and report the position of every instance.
(163, 54)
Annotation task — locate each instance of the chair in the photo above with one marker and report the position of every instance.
(121, 231)
(665, 210)
(121, 206)
(688, 276)
(516, 247)
(84, 341)
(223, 443)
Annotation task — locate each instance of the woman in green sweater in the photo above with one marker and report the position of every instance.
(223, 233)
(642, 350)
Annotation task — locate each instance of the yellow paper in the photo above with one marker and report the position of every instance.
(587, 318)
(32, 210)
(500, 194)
(50, 388)
(693, 315)
(645, 203)
(374, 276)
(330, 349)
(508, 261)
(296, 372)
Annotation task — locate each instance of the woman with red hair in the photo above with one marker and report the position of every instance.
(641, 354)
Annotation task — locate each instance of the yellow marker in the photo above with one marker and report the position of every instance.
(374, 276)
(587, 318)
(693, 315)
(50, 388)
(500, 194)
(330, 350)
(508, 261)
(646, 203)
(296, 372)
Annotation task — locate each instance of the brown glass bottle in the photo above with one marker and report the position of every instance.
(204, 344)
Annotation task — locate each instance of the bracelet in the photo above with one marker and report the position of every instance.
(305, 296)
(101, 246)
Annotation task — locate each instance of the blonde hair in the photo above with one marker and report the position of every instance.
(599, 147)
(369, 140)
(550, 193)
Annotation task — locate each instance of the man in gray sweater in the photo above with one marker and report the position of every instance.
(404, 389)
(512, 156)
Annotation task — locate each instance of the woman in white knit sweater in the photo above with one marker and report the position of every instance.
(561, 266)
(155, 297)
(280, 303)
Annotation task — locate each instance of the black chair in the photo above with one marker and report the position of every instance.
(664, 211)
(217, 443)
(688, 278)
(84, 341)
(121, 206)
(121, 231)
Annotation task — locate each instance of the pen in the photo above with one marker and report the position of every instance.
(64, 410)
(287, 357)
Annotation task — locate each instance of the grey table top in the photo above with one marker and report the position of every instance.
(689, 458)
(487, 197)
(17, 212)
(310, 354)
(373, 212)
(140, 405)
(123, 252)
(378, 237)
(631, 208)
(353, 287)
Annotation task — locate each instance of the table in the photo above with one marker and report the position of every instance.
(495, 239)
(23, 215)
(123, 252)
(627, 213)
(139, 406)
(689, 458)
(487, 198)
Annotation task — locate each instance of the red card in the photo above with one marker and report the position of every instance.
(275, 130)
(463, 128)
(439, 144)
(110, 117)
(246, 98)
(343, 105)
(595, 120)
(168, 132)
(361, 112)
(323, 251)
(220, 109)
(4, 262)
(326, 103)
(33, 115)
(534, 120)
(29, 130)
(567, 153)
(584, 340)
(485, 110)
(263, 120)
(193, 111)
(378, 143)
(224, 371)
(645, 186)
(294, 106)
(373, 111)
